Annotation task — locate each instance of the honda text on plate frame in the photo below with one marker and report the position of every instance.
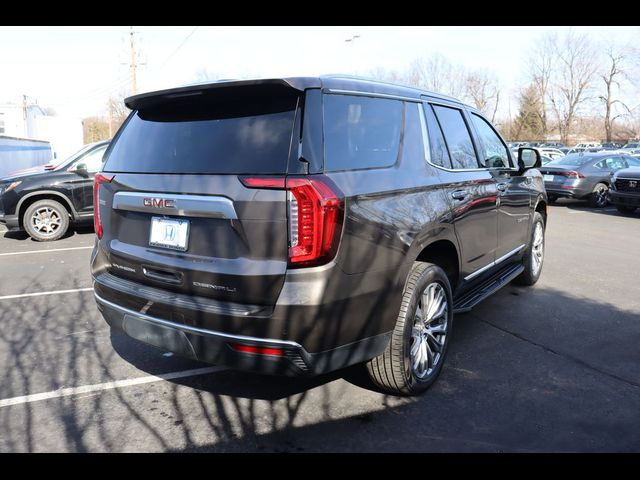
(169, 233)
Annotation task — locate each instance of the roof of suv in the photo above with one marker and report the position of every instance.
(338, 83)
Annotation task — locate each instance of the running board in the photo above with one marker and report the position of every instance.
(487, 288)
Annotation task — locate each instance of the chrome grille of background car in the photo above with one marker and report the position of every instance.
(627, 185)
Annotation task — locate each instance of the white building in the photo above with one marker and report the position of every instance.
(25, 120)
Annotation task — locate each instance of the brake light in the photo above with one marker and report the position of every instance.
(98, 180)
(238, 347)
(316, 213)
(568, 173)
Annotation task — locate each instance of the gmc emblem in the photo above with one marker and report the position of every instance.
(159, 203)
(633, 183)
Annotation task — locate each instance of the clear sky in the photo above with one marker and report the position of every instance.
(75, 69)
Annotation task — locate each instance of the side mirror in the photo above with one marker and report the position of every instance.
(528, 158)
(81, 169)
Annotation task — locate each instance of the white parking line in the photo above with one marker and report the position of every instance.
(39, 294)
(67, 392)
(45, 250)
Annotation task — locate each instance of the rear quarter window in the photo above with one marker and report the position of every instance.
(361, 132)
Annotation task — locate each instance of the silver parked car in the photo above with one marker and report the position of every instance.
(584, 175)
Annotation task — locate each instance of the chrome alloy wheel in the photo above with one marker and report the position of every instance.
(46, 221)
(429, 330)
(537, 249)
(601, 196)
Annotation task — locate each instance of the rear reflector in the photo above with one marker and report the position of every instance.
(278, 352)
(316, 213)
(98, 180)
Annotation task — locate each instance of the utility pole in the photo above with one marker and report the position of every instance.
(133, 64)
(25, 127)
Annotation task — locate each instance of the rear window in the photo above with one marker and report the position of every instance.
(361, 132)
(204, 137)
(575, 160)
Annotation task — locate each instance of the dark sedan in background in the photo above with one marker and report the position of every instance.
(584, 175)
(625, 189)
(43, 201)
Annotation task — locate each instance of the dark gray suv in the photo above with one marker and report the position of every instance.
(301, 225)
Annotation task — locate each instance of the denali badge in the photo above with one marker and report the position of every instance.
(159, 202)
(215, 287)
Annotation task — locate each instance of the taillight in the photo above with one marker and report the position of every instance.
(567, 173)
(98, 180)
(316, 213)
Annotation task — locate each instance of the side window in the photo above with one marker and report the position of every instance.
(615, 163)
(632, 161)
(493, 152)
(457, 135)
(93, 160)
(361, 132)
(602, 164)
(437, 145)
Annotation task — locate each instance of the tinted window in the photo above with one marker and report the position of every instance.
(493, 153)
(93, 159)
(458, 138)
(199, 137)
(633, 162)
(574, 160)
(361, 132)
(437, 145)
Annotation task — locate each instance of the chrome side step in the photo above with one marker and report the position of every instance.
(487, 288)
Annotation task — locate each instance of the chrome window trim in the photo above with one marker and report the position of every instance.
(336, 91)
(495, 262)
(208, 206)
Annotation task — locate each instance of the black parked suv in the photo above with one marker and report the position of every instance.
(625, 189)
(44, 200)
(301, 225)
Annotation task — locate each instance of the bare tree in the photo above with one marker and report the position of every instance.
(117, 112)
(571, 79)
(483, 91)
(438, 74)
(615, 71)
(540, 68)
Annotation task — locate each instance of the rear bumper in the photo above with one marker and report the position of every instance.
(312, 338)
(624, 199)
(572, 192)
(206, 345)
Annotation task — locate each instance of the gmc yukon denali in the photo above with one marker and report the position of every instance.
(301, 225)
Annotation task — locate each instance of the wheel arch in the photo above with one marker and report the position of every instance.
(33, 197)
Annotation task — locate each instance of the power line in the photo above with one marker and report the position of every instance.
(175, 51)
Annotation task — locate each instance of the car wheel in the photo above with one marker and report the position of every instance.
(534, 256)
(416, 352)
(598, 198)
(625, 209)
(46, 220)
(552, 198)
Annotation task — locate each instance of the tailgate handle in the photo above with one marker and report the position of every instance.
(175, 278)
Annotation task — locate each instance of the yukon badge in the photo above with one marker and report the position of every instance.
(159, 202)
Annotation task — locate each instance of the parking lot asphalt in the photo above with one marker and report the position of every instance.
(548, 368)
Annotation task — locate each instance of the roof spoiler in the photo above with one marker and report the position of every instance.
(239, 87)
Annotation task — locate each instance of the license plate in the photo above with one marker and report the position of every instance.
(548, 178)
(169, 233)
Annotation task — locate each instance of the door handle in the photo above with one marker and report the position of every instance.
(502, 186)
(459, 194)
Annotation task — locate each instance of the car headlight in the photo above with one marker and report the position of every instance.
(7, 187)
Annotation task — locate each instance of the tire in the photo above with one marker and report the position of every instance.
(393, 371)
(598, 197)
(625, 209)
(35, 220)
(552, 198)
(534, 256)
